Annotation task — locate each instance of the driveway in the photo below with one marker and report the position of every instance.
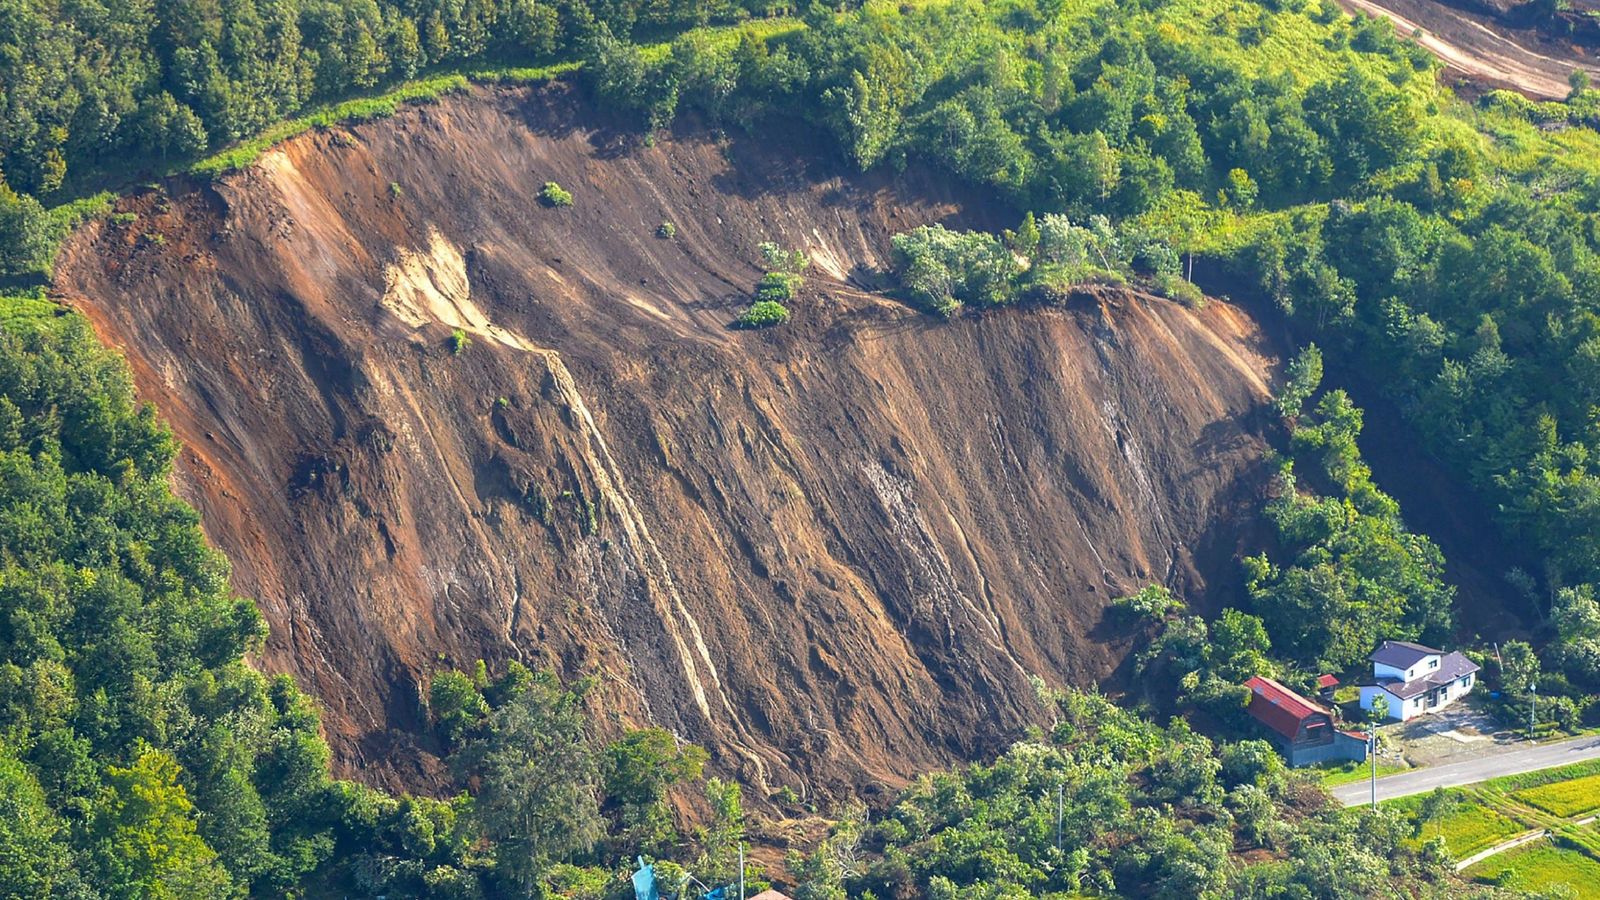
(1472, 771)
(1457, 734)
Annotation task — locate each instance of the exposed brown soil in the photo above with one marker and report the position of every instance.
(1490, 42)
(833, 552)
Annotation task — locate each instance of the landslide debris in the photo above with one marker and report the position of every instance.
(442, 421)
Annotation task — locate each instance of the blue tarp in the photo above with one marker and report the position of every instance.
(644, 882)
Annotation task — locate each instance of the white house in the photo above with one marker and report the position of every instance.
(1417, 679)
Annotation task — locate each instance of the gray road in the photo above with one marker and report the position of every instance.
(1529, 759)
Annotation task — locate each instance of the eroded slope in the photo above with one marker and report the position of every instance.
(832, 552)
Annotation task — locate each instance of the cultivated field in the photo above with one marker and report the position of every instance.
(1496, 813)
(1540, 866)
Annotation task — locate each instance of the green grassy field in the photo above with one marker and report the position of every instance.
(1346, 772)
(1541, 866)
(1502, 808)
(1472, 828)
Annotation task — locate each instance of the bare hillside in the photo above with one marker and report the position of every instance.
(833, 552)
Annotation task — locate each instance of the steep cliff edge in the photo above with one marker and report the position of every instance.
(833, 552)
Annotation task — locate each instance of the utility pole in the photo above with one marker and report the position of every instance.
(1533, 704)
(1372, 757)
(1060, 795)
(1378, 712)
(741, 870)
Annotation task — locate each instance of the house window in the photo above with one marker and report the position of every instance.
(1433, 664)
(1465, 680)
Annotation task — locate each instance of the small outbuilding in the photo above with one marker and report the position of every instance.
(1326, 684)
(1303, 731)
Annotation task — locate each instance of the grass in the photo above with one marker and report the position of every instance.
(68, 216)
(1349, 771)
(1541, 866)
(25, 311)
(1564, 798)
(725, 37)
(524, 74)
(1501, 808)
(1264, 42)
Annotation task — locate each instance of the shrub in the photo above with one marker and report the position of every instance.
(459, 342)
(395, 190)
(778, 286)
(1252, 762)
(778, 259)
(455, 704)
(1056, 284)
(1148, 253)
(944, 270)
(1176, 287)
(666, 231)
(763, 314)
(1064, 242)
(1151, 602)
(554, 195)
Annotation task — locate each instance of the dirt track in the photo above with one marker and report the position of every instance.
(1480, 49)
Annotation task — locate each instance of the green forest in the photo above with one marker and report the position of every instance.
(1303, 156)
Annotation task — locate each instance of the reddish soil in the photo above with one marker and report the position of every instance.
(833, 552)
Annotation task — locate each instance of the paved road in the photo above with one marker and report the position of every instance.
(1530, 759)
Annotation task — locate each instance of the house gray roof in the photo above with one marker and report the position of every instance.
(1452, 665)
(1401, 654)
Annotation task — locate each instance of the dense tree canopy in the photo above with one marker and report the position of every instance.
(141, 747)
(1107, 802)
(92, 83)
(1451, 249)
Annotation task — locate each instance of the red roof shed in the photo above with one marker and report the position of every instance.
(1279, 708)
